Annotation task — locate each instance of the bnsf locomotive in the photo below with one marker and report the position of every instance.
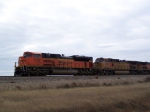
(42, 64)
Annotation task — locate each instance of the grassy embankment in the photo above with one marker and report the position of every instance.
(107, 98)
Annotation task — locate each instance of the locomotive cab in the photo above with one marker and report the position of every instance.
(30, 59)
(104, 63)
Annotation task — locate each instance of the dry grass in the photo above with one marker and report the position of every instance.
(34, 83)
(122, 98)
(147, 79)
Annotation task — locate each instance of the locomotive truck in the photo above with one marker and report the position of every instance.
(42, 64)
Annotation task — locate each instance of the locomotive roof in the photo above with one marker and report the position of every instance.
(33, 52)
(135, 62)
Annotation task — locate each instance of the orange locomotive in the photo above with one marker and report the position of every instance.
(41, 64)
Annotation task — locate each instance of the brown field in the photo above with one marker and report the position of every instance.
(89, 94)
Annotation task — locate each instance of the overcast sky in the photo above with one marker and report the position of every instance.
(99, 28)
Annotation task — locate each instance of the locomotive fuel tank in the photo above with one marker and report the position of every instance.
(64, 72)
(121, 72)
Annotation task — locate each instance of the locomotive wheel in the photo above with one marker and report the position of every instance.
(110, 73)
(131, 73)
(104, 73)
(146, 73)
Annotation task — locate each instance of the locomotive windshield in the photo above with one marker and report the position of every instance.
(100, 60)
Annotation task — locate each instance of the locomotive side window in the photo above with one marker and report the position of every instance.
(26, 55)
(36, 55)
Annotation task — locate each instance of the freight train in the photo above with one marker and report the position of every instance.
(42, 64)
